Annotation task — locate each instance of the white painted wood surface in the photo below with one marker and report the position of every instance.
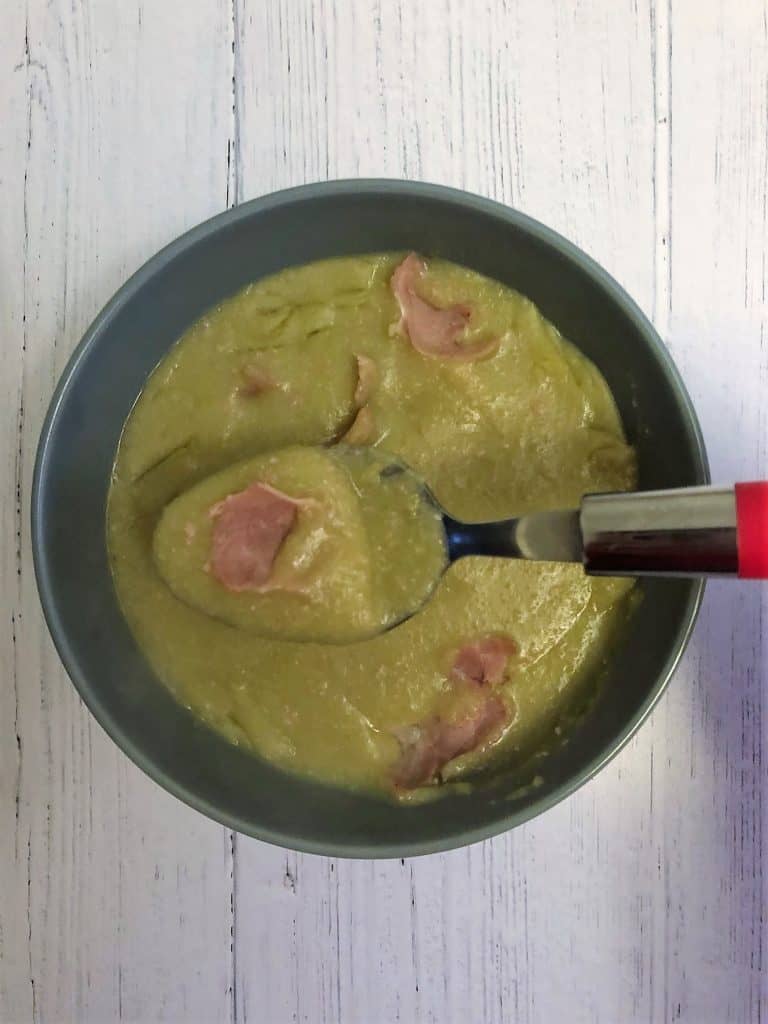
(639, 129)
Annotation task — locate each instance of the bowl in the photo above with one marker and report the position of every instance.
(107, 372)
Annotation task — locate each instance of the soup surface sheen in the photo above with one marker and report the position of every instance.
(500, 418)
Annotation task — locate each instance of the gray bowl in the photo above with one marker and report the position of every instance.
(107, 372)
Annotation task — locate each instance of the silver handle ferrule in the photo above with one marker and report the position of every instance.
(690, 532)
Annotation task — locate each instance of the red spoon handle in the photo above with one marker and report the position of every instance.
(752, 529)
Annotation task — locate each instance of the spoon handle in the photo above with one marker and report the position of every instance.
(693, 531)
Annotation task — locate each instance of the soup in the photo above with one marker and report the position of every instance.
(463, 379)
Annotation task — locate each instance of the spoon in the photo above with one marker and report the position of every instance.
(686, 532)
(409, 540)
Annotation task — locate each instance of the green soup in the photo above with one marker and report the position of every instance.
(280, 366)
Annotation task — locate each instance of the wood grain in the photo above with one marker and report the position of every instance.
(638, 129)
(115, 900)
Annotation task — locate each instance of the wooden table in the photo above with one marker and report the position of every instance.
(639, 130)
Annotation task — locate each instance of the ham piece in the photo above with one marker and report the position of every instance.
(362, 429)
(427, 747)
(255, 382)
(249, 528)
(483, 662)
(367, 378)
(433, 332)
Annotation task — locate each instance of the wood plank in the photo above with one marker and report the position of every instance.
(502, 101)
(711, 736)
(118, 900)
(16, 993)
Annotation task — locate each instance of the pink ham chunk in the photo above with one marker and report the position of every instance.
(433, 332)
(362, 429)
(248, 530)
(483, 662)
(256, 381)
(426, 748)
(367, 378)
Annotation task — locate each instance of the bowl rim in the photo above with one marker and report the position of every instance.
(289, 196)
